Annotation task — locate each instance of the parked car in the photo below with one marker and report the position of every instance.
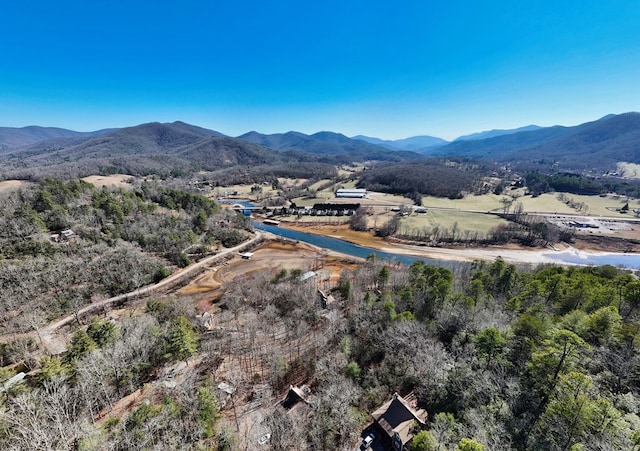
(367, 441)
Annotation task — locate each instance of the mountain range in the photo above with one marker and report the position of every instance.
(174, 148)
(12, 138)
(596, 145)
(156, 146)
(497, 132)
(421, 144)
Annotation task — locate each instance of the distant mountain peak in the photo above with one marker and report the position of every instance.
(325, 144)
(414, 143)
(497, 132)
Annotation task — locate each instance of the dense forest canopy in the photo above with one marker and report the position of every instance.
(427, 177)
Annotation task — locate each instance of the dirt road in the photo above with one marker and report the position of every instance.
(56, 344)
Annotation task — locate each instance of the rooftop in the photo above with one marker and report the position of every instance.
(397, 417)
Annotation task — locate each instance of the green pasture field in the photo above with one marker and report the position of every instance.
(315, 186)
(446, 219)
(486, 202)
(595, 205)
(604, 206)
(545, 203)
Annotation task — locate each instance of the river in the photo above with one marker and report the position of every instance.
(574, 257)
(341, 246)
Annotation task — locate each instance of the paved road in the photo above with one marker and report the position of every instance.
(56, 344)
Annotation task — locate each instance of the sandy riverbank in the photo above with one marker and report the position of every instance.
(510, 253)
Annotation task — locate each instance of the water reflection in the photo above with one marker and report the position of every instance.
(574, 257)
(341, 246)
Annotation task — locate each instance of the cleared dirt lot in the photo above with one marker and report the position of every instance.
(271, 257)
(13, 184)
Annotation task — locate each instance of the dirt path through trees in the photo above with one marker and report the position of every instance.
(56, 344)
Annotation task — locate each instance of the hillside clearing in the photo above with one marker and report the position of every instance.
(115, 180)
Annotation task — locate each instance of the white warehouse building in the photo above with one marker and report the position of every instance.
(352, 193)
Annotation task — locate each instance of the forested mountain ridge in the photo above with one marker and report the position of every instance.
(152, 148)
(413, 143)
(596, 145)
(179, 148)
(327, 144)
(13, 138)
(496, 132)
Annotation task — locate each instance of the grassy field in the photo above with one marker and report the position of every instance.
(319, 183)
(487, 202)
(444, 219)
(595, 205)
(545, 203)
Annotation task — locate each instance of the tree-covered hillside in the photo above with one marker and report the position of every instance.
(121, 239)
(426, 177)
(501, 358)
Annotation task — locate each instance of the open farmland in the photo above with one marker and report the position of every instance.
(320, 183)
(573, 203)
(487, 202)
(115, 180)
(447, 219)
(545, 203)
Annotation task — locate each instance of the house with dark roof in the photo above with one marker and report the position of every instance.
(394, 421)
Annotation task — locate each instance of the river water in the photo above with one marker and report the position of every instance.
(344, 247)
(575, 257)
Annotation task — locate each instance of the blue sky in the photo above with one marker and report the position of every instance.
(379, 68)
